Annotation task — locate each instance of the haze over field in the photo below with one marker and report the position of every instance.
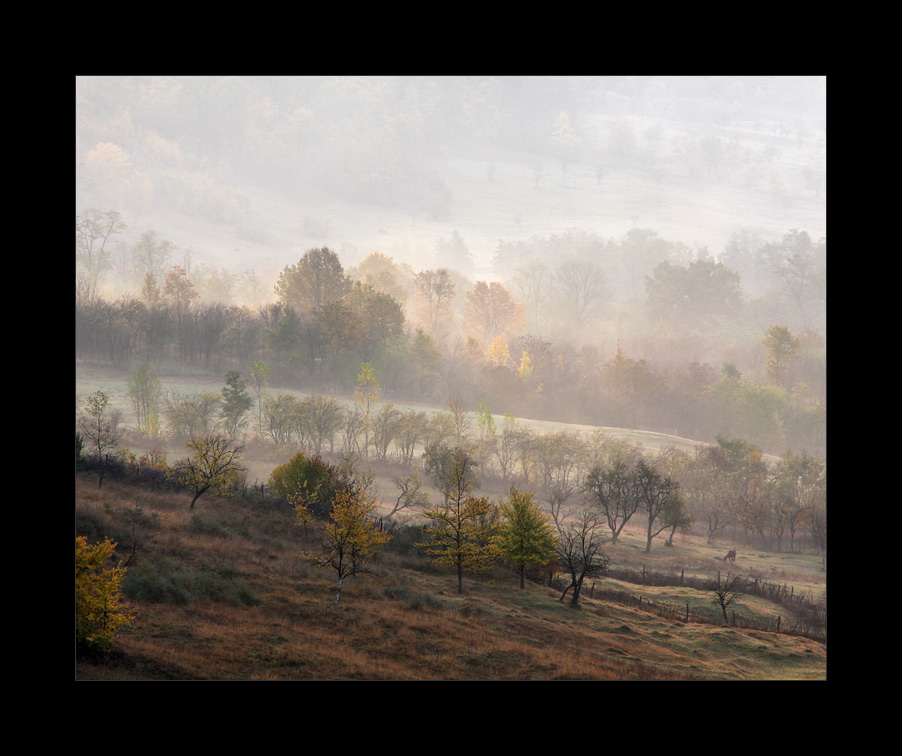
(498, 348)
(660, 224)
(247, 173)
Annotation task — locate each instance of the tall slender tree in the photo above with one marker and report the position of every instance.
(94, 231)
(366, 396)
(236, 403)
(100, 428)
(145, 389)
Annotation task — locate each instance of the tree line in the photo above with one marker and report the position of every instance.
(591, 487)
(725, 488)
(433, 334)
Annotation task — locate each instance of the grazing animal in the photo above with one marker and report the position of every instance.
(731, 555)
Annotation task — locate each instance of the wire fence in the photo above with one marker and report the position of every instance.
(811, 613)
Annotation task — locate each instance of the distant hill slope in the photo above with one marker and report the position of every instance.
(247, 173)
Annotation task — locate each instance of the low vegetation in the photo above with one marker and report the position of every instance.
(526, 440)
(225, 593)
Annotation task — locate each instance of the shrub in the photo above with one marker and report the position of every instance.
(316, 481)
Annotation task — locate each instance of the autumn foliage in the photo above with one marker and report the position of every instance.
(99, 610)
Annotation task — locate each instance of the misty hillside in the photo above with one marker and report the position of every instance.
(539, 361)
(652, 237)
(243, 172)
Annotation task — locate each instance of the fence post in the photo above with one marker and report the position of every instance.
(687, 611)
(778, 623)
(682, 573)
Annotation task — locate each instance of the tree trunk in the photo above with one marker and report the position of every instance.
(338, 595)
(574, 601)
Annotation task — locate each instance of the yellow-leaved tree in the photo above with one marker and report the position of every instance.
(525, 536)
(352, 535)
(461, 534)
(99, 609)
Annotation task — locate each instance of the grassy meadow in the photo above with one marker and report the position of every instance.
(226, 593)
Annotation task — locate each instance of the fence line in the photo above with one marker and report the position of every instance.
(812, 622)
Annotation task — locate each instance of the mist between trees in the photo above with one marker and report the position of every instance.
(639, 332)
(724, 489)
(566, 336)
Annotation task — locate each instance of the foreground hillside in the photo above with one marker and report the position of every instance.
(226, 594)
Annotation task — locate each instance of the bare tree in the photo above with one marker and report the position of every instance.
(726, 592)
(93, 256)
(100, 429)
(435, 291)
(213, 467)
(557, 497)
(579, 553)
(614, 492)
(582, 292)
(411, 495)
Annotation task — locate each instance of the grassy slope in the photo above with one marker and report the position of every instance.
(273, 616)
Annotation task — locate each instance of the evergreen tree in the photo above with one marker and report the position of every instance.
(236, 403)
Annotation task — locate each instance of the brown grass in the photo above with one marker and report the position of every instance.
(398, 623)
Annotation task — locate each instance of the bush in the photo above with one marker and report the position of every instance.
(316, 481)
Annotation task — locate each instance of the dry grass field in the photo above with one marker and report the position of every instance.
(226, 593)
